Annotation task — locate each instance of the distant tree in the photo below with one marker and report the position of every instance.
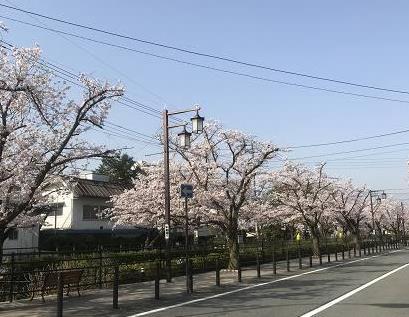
(304, 196)
(351, 208)
(120, 168)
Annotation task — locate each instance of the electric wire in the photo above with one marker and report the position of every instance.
(207, 55)
(130, 130)
(73, 76)
(136, 105)
(55, 69)
(350, 140)
(127, 136)
(351, 151)
(222, 70)
(96, 57)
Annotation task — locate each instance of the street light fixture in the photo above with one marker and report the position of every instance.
(197, 123)
(184, 141)
(379, 197)
(184, 138)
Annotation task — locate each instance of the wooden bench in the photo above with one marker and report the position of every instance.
(69, 278)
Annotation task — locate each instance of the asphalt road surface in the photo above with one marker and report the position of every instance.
(375, 286)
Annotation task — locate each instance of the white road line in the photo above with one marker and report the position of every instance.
(349, 294)
(157, 310)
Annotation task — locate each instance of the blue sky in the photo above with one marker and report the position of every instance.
(364, 42)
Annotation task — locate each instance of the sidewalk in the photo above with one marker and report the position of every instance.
(135, 298)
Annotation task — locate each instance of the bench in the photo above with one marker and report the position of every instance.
(69, 278)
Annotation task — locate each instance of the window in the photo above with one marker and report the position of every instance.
(57, 209)
(90, 212)
(94, 212)
(13, 234)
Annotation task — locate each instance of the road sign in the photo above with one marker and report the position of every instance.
(186, 191)
(166, 231)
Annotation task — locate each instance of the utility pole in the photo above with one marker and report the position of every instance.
(167, 193)
(372, 212)
(188, 288)
(403, 222)
(380, 195)
(403, 225)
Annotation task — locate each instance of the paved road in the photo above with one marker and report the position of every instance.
(302, 294)
(306, 292)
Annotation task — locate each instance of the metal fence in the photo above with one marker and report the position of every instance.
(32, 274)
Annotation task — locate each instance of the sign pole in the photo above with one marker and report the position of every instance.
(188, 290)
(167, 194)
(186, 192)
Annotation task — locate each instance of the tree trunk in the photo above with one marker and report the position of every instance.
(356, 240)
(316, 243)
(233, 246)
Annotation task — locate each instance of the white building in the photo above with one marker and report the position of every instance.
(79, 205)
(22, 240)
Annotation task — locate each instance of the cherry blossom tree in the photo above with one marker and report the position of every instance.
(390, 216)
(303, 196)
(351, 208)
(143, 204)
(41, 131)
(221, 165)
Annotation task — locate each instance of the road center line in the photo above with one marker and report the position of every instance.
(157, 310)
(354, 291)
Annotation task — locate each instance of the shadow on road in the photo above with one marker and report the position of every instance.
(390, 305)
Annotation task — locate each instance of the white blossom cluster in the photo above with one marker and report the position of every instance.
(40, 131)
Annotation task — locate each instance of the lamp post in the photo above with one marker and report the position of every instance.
(380, 194)
(379, 197)
(184, 141)
(403, 224)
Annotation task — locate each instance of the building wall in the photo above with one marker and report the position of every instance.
(72, 215)
(63, 221)
(27, 240)
(78, 223)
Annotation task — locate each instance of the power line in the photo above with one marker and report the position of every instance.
(374, 160)
(352, 151)
(130, 130)
(350, 140)
(221, 70)
(126, 101)
(70, 75)
(96, 57)
(362, 167)
(358, 159)
(358, 164)
(125, 136)
(366, 155)
(208, 55)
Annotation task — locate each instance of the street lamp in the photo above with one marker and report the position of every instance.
(403, 224)
(184, 138)
(184, 141)
(197, 123)
(379, 197)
